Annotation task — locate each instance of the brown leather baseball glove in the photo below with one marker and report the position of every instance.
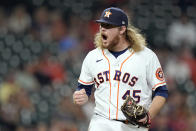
(134, 112)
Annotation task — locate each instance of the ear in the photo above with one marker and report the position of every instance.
(122, 30)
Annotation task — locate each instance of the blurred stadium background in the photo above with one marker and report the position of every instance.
(43, 44)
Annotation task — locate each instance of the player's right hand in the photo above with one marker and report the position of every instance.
(80, 97)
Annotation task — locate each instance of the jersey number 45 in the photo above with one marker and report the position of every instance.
(135, 95)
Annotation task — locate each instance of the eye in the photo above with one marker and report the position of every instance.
(107, 26)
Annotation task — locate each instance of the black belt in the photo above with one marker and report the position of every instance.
(123, 121)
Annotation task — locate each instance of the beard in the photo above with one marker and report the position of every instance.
(112, 43)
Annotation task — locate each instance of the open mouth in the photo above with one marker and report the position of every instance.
(104, 37)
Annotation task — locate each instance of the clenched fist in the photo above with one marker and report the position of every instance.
(80, 97)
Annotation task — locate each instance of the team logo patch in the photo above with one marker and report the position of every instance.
(107, 13)
(159, 74)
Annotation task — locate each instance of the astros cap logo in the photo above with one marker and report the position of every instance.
(107, 13)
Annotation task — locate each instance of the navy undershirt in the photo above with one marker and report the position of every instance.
(116, 54)
(161, 91)
(88, 88)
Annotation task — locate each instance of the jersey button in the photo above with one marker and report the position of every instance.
(116, 64)
(115, 85)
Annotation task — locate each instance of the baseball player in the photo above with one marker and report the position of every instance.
(121, 65)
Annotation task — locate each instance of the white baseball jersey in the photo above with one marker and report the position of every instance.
(132, 73)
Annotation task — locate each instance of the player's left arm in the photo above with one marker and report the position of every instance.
(159, 99)
(157, 104)
(160, 96)
(156, 80)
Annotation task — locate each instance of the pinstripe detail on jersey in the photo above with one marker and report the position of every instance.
(86, 83)
(119, 82)
(159, 84)
(109, 81)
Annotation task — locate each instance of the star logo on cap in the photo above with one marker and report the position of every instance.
(107, 13)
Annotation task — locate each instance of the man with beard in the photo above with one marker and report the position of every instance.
(121, 65)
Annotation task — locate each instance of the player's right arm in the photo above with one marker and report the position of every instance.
(80, 97)
(85, 83)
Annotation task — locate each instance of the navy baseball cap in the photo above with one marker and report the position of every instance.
(113, 16)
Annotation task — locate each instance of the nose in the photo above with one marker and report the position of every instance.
(102, 29)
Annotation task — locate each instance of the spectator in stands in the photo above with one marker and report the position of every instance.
(177, 70)
(19, 21)
(48, 70)
(61, 34)
(8, 88)
(41, 24)
(182, 31)
(25, 79)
